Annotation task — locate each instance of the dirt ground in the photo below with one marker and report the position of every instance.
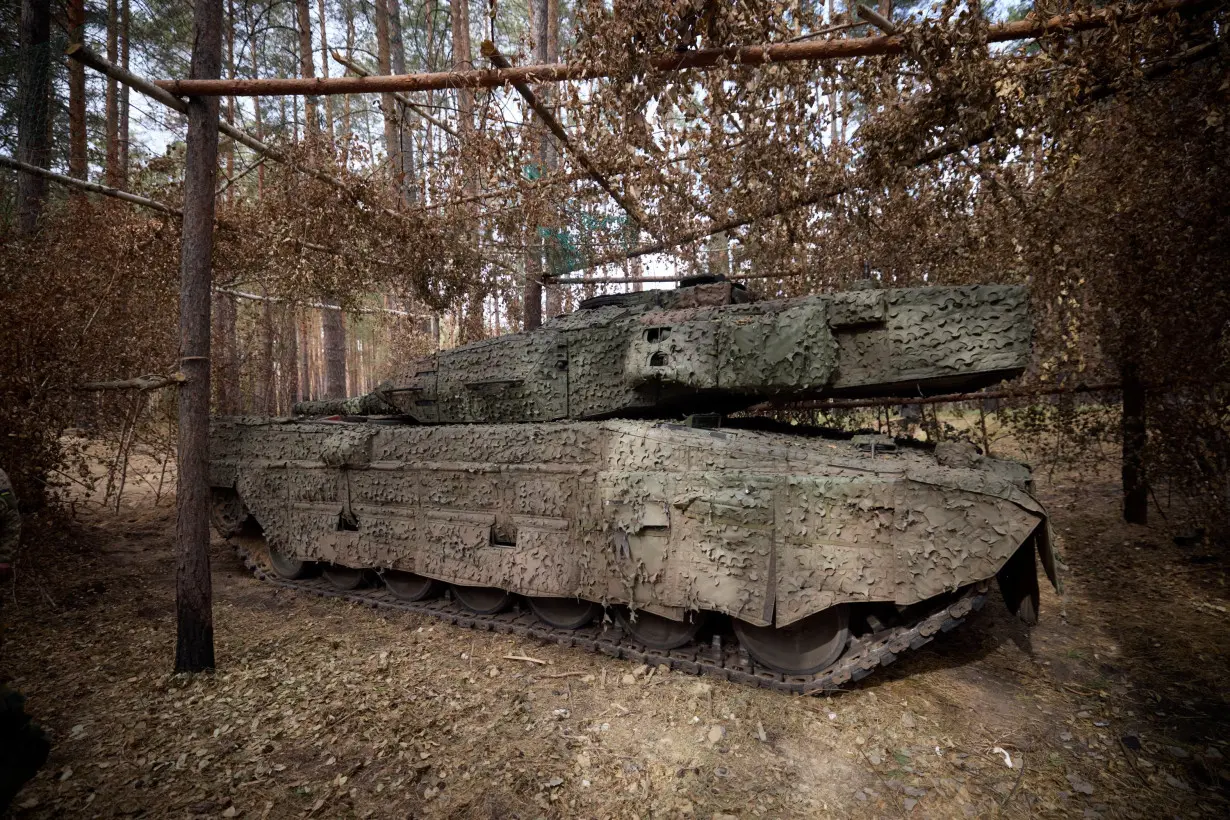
(1114, 706)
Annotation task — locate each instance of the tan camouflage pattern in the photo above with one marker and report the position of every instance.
(713, 348)
(767, 527)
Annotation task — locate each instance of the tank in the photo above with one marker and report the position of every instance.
(585, 482)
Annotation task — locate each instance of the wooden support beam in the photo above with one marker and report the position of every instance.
(808, 51)
(84, 185)
(630, 207)
(77, 51)
(401, 98)
(876, 19)
(240, 294)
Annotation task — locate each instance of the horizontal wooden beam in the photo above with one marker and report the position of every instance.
(401, 98)
(810, 51)
(85, 185)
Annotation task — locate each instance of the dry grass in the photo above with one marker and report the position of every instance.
(1114, 706)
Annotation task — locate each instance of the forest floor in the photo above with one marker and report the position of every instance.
(1114, 706)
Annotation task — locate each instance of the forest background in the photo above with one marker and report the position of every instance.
(1090, 165)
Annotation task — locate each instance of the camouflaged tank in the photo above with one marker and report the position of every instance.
(557, 468)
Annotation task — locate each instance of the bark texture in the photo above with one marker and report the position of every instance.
(335, 353)
(307, 69)
(77, 163)
(194, 648)
(33, 100)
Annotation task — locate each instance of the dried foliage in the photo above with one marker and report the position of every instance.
(1091, 166)
(98, 300)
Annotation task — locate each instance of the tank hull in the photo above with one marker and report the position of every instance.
(767, 528)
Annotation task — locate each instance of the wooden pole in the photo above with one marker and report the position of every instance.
(810, 51)
(83, 185)
(79, 52)
(194, 647)
(401, 98)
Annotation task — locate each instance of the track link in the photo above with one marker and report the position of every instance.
(717, 659)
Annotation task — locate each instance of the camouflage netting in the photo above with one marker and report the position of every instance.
(1090, 166)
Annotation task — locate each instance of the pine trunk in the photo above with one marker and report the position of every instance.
(78, 165)
(256, 116)
(307, 69)
(405, 143)
(227, 358)
(288, 335)
(230, 100)
(324, 67)
(470, 317)
(335, 354)
(112, 110)
(388, 105)
(34, 115)
(122, 173)
(267, 394)
(346, 132)
(194, 648)
(546, 50)
(304, 393)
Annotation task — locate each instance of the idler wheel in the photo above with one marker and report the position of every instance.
(346, 578)
(804, 647)
(292, 569)
(406, 586)
(658, 632)
(482, 600)
(565, 613)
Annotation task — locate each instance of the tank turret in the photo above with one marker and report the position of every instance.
(714, 347)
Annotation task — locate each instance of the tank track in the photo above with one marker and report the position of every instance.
(727, 662)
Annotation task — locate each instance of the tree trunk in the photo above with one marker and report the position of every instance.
(405, 143)
(125, 15)
(470, 318)
(78, 165)
(1135, 482)
(324, 67)
(335, 354)
(256, 115)
(304, 391)
(34, 115)
(311, 127)
(544, 28)
(111, 171)
(290, 358)
(346, 132)
(230, 100)
(194, 648)
(266, 388)
(388, 105)
(228, 355)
